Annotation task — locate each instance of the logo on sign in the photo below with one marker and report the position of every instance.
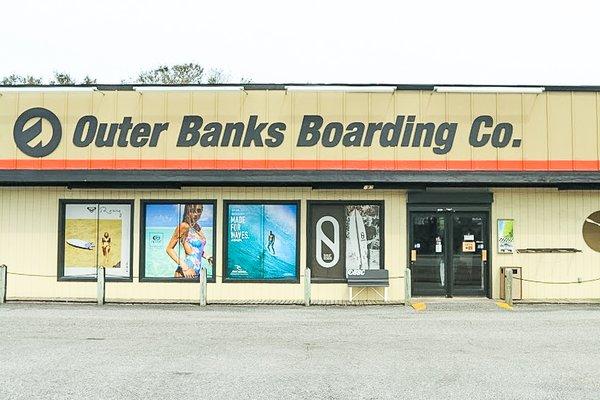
(356, 272)
(156, 239)
(328, 260)
(24, 137)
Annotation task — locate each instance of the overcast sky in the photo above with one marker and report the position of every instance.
(512, 42)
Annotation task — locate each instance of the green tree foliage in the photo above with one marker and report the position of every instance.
(14, 79)
(62, 78)
(181, 74)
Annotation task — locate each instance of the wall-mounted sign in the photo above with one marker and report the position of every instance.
(591, 231)
(262, 241)
(506, 236)
(177, 239)
(344, 237)
(94, 234)
(272, 130)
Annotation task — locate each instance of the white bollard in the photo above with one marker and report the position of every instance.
(2, 283)
(307, 287)
(101, 285)
(407, 287)
(202, 286)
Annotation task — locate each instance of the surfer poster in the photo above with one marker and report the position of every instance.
(96, 234)
(343, 237)
(178, 240)
(262, 242)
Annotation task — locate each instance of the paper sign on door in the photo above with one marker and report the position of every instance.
(468, 247)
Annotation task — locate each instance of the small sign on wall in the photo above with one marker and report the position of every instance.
(506, 236)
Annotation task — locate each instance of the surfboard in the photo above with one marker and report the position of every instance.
(81, 244)
(357, 242)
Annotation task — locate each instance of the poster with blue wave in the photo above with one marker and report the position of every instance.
(262, 242)
(178, 240)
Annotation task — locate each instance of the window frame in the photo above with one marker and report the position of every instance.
(62, 207)
(142, 240)
(343, 203)
(226, 204)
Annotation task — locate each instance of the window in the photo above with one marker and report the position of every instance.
(261, 241)
(177, 240)
(344, 236)
(94, 233)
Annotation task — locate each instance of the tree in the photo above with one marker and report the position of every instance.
(14, 79)
(181, 74)
(62, 78)
(178, 74)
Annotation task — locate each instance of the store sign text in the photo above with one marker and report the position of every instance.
(314, 130)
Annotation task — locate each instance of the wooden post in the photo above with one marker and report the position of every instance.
(407, 287)
(508, 284)
(2, 283)
(307, 287)
(101, 272)
(202, 286)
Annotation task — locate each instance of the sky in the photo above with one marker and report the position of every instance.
(401, 42)
(170, 215)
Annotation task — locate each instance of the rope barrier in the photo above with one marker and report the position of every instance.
(557, 283)
(137, 277)
(36, 275)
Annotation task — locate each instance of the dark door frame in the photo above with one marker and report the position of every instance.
(449, 210)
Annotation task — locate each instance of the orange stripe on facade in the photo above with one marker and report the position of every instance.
(242, 164)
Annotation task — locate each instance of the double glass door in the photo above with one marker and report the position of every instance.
(448, 252)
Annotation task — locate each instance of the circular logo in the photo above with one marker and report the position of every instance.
(591, 231)
(23, 137)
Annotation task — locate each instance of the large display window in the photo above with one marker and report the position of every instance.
(262, 241)
(177, 240)
(344, 236)
(92, 234)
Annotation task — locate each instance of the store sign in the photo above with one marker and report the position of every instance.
(194, 130)
(275, 130)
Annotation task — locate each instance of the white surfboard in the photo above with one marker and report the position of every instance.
(357, 242)
(81, 244)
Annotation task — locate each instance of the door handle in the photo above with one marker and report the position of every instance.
(413, 255)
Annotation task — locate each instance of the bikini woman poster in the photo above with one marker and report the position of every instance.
(178, 240)
(261, 242)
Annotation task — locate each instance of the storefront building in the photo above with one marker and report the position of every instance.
(256, 183)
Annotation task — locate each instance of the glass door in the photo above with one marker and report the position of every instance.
(469, 253)
(448, 252)
(428, 253)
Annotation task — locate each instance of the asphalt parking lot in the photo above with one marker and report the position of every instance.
(451, 350)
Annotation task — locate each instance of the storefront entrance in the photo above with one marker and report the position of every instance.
(448, 251)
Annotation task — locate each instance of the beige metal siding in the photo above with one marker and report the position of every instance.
(29, 244)
(548, 218)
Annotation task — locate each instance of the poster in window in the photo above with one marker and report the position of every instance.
(96, 235)
(343, 237)
(262, 242)
(178, 240)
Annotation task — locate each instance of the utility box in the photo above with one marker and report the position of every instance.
(517, 286)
